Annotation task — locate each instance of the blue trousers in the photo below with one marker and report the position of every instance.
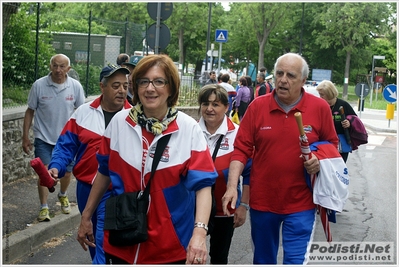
(82, 194)
(297, 234)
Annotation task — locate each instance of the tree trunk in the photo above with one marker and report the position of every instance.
(181, 46)
(8, 10)
(261, 59)
(347, 67)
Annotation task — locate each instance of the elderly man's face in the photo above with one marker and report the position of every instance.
(59, 67)
(289, 79)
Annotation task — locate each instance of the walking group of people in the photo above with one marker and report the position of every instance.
(244, 93)
(211, 172)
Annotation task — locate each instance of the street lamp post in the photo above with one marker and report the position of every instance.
(372, 78)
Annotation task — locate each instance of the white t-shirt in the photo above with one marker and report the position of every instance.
(53, 105)
(228, 87)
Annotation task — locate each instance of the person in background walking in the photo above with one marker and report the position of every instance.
(280, 200)
(230, 91)
(212, 78)
(180, 193)
(220, 77)
(243, 97)
(264, 71)
(131, 65)
(251, 88)
(51, 101)
(213, 101)
(270, 82)
(262, 88)
(122, 58)
(329, 93)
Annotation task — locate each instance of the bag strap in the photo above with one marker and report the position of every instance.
(157, 157)
(215, 152)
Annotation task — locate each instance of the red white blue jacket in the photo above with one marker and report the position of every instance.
(330, 189)
(223, 159)
(80, 140)
(185, 167)
(330, 185)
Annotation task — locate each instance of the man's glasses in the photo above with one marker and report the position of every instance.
(157, 83)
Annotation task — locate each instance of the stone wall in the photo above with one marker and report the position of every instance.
(16, 164)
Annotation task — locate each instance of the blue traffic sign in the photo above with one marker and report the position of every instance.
(221, 36)
(389, 93)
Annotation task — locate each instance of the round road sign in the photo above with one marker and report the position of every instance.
(358, 89)
(166, 10)
(164, 36)
(389, 93)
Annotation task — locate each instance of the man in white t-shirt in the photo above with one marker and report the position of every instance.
(51, 101)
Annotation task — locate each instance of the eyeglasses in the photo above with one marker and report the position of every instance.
(157, 83)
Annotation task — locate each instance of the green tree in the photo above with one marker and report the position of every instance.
(19, 49)
(351, 26)
(77, 20)
(188, 31)
(258, 21)
(242, 44)
(8, 10)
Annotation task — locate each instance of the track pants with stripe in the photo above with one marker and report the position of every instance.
(82, 194)
(297, 233)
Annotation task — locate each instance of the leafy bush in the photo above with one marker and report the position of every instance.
(19, 51)
(93, 86)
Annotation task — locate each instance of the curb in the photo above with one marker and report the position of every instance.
(24, 242)
(377, 129)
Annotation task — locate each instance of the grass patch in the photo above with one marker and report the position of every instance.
(14, 96)
(376, 103)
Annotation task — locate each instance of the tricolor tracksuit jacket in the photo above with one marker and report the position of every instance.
(185, 167)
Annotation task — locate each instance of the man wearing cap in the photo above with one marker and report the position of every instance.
(131, 65)
(81, 138)
(51, 101)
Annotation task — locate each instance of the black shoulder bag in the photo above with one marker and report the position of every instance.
(211, 223)
(126, 214)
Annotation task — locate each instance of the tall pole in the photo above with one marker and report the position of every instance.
(208, 36)
(126, 39)
(157, 28)
(37, 41)
(372, 82)
(146, 43)
(303, 15)
(220, 56)
(88, 55)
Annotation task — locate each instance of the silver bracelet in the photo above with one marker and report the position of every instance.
(244, 205)
(201, 225)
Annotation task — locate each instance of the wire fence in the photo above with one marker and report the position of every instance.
(27, 51)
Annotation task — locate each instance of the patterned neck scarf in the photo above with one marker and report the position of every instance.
(152, 125)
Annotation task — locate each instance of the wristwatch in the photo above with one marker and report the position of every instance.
(244, 205)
